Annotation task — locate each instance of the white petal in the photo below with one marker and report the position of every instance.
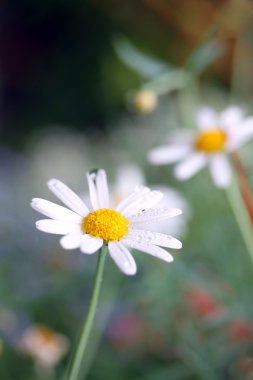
(241, 135)
(168, 154)
(102, 189)
(144, 203)
(153, 215)
(98, 187)
(91, 244)
(181, 137)
(231, 117)
(206, 118)
(173, 226)
(127, 178)
(93, 191)
(190, 166)
(68, 197)
(58, 227)
(55, 211)
(132, 197)
(247, 125)
(71, 241)
(122, 257)
(153, 250)
(156, 238)
(220, 171)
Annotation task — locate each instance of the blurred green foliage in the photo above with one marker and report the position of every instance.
(70, 71)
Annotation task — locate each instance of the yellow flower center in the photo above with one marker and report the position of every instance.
(45, 335)
(211, 141)
(110, 225)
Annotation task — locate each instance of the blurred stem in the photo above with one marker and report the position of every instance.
(76, 365)
(235, 74)
(239, 87)
(244, 184)
(44, 373)
(241, 214)
(188, 98)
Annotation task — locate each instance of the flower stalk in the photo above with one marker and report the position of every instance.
(244, 184)
(241, 215)
(76, 365)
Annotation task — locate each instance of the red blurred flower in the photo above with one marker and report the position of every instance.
(240, 331)
(202, 303)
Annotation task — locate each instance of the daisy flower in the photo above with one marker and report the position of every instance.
(91, 228)
(217, 136)
(44, 345)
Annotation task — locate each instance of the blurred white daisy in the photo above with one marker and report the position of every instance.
(56, 140)
(90, 229)
(219, 134)
(44, 345)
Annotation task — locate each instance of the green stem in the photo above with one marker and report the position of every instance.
(241, 215)
(44, 373)
(76, 365)
(112, 289)
(188, 99)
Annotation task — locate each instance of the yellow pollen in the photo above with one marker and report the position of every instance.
(45, 335)
(211, 141)
(110, 225)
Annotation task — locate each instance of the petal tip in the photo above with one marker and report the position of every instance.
(133, 273)
(180, 245)
(52, 182)
(37, 225)
(34, 202)
(95, 172)
(153, 157)
(177, 211)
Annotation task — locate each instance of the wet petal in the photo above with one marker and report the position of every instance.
(55, 211)
(68, 197)
(144, 203)
(91, 244)
(57, 227)
(156, 238)
(102, 189)
(151, 249)
(122, 257)
(137, 194)
(153, 215)
(98, 187)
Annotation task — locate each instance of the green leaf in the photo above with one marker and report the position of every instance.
(143, 64)
(204, 56)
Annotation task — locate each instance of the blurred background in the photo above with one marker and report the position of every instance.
(87, 84)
